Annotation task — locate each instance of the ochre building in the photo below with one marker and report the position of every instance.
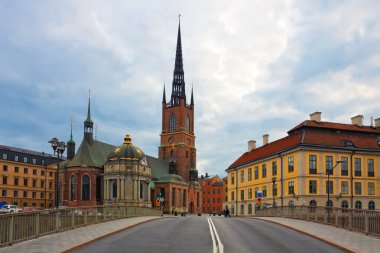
(294, 170)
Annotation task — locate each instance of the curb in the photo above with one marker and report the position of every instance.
(78, 246)
(311, 235)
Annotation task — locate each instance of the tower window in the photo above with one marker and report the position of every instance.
(172, 123)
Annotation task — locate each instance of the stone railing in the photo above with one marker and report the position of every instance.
(364, 221)
(23, 226)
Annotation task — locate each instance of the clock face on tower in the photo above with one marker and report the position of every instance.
(171, 139)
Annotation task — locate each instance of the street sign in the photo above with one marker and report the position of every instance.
(259, 194)
(158, 203)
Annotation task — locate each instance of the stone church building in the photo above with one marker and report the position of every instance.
(100, 173)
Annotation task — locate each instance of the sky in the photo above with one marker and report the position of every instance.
(257, 67)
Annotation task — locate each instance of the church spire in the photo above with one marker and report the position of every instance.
(71, 142)
(178, 89)
(88, 123)
(192, 96)
(164, 96)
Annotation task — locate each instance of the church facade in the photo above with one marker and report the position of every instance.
(100, 173)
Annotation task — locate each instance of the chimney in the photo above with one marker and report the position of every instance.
(377, 122)
(316, 116)
(206, 175)
(265, 139)
(357, 120)
(251, 145)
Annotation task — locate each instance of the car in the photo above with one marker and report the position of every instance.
(29, 209)
(9, 209)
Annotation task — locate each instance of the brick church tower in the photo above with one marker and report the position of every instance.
(177, 135)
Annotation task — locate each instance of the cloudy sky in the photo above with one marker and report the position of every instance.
(257, 67)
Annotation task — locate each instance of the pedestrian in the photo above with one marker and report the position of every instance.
(224, 213)
(227, 213)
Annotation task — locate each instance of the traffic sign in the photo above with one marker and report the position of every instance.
(259, 194)
(158, 203)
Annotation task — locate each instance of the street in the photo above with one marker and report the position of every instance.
(208, 234)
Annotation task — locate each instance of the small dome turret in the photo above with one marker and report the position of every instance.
(127, 152)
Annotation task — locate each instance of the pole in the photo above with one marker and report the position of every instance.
(56, 182)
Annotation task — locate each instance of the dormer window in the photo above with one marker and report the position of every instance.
(349, 144)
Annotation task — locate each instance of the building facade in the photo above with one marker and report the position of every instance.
(212, 194)
(316, 161)
(27, 177)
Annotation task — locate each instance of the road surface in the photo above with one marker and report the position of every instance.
(208, 234)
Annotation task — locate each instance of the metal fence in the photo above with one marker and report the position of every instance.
(364, 221)
(23, 226)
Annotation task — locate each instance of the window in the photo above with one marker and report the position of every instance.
(371, 171)
(313, 203)
(242, 176)
(232, 196)
(15, 194)
(264, 191)
(344, 187)
(213, 191)
(290, 164)
(232, 209)
(329, 203)
(256, 190)
(249, 174)
(198, 199)
(42, 173)
(25, 194)
(187, 123)
(313, 186)
(4, 193)
(344, 165)
(25, 159)
(42, 195)
(250, 193)
(15, 181)
(329, 164)
(291, 188)
(371, 205)
(358, 204)
(43, 162)
(242, 195)
(34, 183)
(274, 190)
(5, 180)
(241, 209)
(344, 204)
(274, 168)
(256, 172)
(34, 161)
(85, 187)
(5, 156)
(34, 172)
(312, 164)
(329, 187)
(249, 208)
(50, 185)
(16, 158)
(291, 203)
(172, 123)
(371, 188)
(25, 170)
(232, 178)
(42, 184)
(34, 195)
(5, 167)
(358, 169)
(358, 188)
(264, 170)
(17, 169)
(50, 174)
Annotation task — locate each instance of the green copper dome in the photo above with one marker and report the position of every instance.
(127, 152)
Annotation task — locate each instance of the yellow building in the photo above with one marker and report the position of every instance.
(317, 161)
(27, 178)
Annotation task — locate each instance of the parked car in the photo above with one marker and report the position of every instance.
(9, 209)
(29, 209)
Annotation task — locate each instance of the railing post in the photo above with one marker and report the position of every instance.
(366, 223)
(72, 219)
(56, 221)
(336, 218)
(10, 231)
(350, 220)
(308, 213)
(37, 232)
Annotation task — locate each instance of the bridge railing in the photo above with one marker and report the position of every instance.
(365, 221)
(22, 226)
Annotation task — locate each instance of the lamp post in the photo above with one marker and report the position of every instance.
(59, 147)
(330, 172)
(274, 195)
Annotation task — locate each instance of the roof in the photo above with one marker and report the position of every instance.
(172, 178)
(126, 152)
(317, 134)
(159, 167)
(13, 151)
(91, 155)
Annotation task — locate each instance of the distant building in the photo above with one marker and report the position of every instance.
(293, 170)
(27, 177)
(225, 192)
(212, 194)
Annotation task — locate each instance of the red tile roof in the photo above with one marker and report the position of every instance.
(312, 133)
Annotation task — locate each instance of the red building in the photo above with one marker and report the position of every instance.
(212, 194)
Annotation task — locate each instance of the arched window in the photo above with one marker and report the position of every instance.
(72, 187)
(172, 123)
(85, 187)
(232, 209)
(329, 203)
(313, 203)
(358, 204)
(344, 204)
(371, 205)
(114, 189)
(291, 203)
(241, 209)
(98, 188)
(187, 123)
(249, 208)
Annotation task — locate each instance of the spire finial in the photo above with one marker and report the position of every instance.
(71, 127)
(164, 95)
(89, 105)
(179, 18)
(192, 96)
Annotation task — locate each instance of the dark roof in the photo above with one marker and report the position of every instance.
(30, 154)
(159, 167)
(317, 134)
(91, 155)
(172, 178)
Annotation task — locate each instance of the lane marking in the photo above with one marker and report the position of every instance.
(220, 245)
(214, 247)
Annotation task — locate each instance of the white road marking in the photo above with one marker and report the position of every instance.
(215, 247)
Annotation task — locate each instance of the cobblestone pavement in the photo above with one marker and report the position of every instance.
(352, 241)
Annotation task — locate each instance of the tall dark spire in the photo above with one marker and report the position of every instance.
(71, 142)
(178, 89)
(88, 123)
(192, 96)
(164, 96)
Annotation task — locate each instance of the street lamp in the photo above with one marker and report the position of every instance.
(273, 182)
(59, 147)
(330, 172)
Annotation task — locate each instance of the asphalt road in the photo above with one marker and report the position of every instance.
(197, 234)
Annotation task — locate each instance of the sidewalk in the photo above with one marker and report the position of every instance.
(63, 241)
(351, 241)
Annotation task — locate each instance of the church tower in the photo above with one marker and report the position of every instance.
(177, 135)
